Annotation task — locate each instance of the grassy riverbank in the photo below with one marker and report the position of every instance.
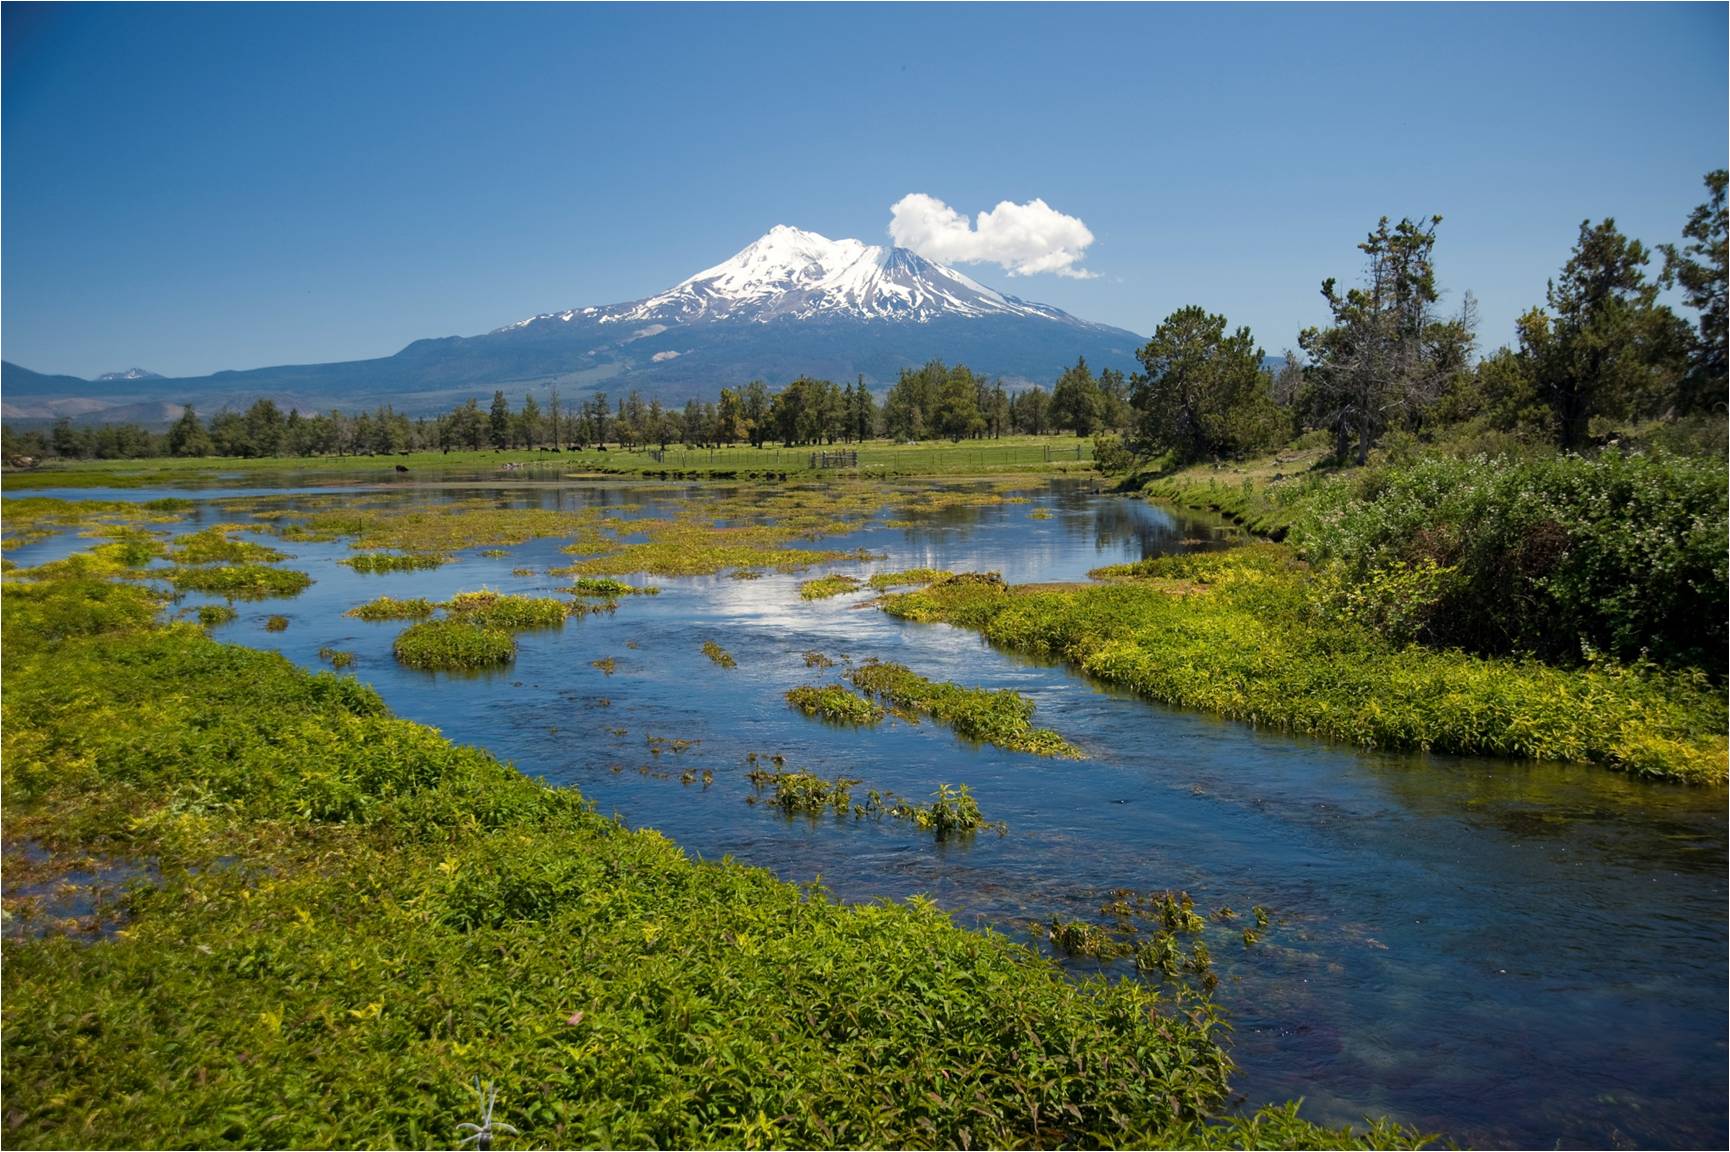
(1242, 634)
(879, 458)
(247, 906)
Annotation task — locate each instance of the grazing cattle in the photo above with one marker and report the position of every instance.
(402, 468)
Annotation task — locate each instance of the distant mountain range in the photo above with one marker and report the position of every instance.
(790, 303)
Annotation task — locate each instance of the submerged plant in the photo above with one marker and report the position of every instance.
(719, 654)
(211, 615)
(606, 664)
(952, 812)
(804, 792)
(276, 624)
(336, 657)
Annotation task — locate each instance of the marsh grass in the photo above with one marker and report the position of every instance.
(607, 587)
(835, 704)
(216, 545)
(883, 580)
(453, 644)
(1237, 633)
(236, 581)
(210, 615)
(491, 609)
(390, 608)
(1002, 717)
(823, 587)
(336, 657)
(379, 562)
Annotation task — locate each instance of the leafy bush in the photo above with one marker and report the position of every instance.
(453, 644)
(1557, 557)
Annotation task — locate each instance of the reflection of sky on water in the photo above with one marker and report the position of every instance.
(1513, 954)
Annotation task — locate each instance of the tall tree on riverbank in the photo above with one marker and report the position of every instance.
(499, 421)
(1606, 347)
(1702, 269)
(187, 437)
(1202, 393)
(1076, 401)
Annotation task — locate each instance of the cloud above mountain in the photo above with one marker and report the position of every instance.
(1024, 239)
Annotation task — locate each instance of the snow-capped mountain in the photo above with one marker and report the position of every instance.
(131, 374)
(790, 274)
(790, 303)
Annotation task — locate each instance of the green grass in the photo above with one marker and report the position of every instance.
(236, 581)
(607, 586)
(1002, 717)
(509, 613)
(835, 704)
(823, 587)
(453, 644)
(390, 608)
(375, 562)
(1237, 634)
(886, 580)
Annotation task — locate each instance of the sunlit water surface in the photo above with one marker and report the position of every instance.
(1512, 954)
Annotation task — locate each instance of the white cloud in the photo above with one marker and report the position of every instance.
(1025, 239)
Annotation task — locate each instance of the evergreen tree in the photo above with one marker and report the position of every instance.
(1202, 393)
(1075, 401)
(499, 421)
(1701, 270)
(187, 437)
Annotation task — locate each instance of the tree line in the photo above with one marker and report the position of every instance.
(1602, 346)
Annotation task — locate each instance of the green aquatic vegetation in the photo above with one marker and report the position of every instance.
(1237, 633)
(453, 644)
(719, 654)
(694, 548)
(495, 553)
(952, 812)
(835, 704)
(390, 608)
(506, 612)
(525, 572)
(216, 545)
(1079, 938)
(377, 562)
(816, 659)
(607, 586)
(441, 529)
(607, 665)
(237, 581)
(803, 792)
(210, 615)
(884, 580)
(823, 587)
(336, 657)
(1040, 514)
(1002, 717)
(276, 624)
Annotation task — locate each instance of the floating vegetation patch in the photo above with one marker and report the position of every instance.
(1236, 633)
(210, 615)
(237, 581)
(803, 792)
(33, 518)
(216, 545)
(445, 528)
(823, 587)
(835, 704)
(1039, 514)
(276, 624)
(335, 657)
(608, 587)
(675, 745)
(951, 812)
(390, 608)
(882, 580)
(688, 548)
(1002, 717)
(495, 553)
(525, 572)
(454, 644)
(377, 562)
(816, 659)
(512, 613)
(607, 665)
(719, 654)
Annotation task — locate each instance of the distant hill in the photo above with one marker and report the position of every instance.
(790, 303)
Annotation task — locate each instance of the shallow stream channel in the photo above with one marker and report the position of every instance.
(1512, 954)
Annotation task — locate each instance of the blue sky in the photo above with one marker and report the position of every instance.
(202, 187)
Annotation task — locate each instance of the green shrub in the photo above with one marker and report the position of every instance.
(1622, 554)
(452, 644)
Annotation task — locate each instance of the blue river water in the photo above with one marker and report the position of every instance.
(1513, 954)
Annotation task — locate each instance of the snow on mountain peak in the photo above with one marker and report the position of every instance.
(790, 273)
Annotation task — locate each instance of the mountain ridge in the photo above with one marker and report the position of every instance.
(791, 302)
